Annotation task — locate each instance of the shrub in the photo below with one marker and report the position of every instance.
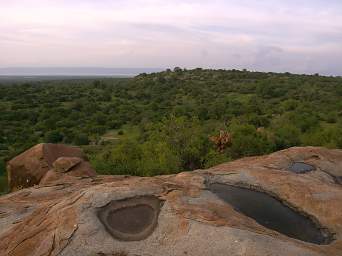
(53, 137)
(81, 139)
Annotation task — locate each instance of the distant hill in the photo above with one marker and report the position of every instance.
(74, 71)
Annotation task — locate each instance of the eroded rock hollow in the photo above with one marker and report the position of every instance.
(286, 203)
(132, 219)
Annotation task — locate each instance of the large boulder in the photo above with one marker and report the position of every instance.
(286, 203)
(67, 167)
(28, 168)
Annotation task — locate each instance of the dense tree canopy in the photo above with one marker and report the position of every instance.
(162, 122)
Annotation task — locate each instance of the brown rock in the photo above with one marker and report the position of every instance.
(67, 167)
(64, 164)
(50, 177)
(83, 169)
(255, 206)
(28, 168)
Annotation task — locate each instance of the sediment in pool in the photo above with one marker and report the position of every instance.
(272, 213)
(131, 219)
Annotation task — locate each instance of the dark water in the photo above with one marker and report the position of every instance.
(271, 213)
(299, 167)
(338, 179)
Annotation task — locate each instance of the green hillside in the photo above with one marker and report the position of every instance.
(162, 122)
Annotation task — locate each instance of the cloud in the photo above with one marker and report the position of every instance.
(298, 36)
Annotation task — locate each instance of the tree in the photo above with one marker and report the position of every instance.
(246, 141)
(2, 167)
(184, 136)
(158, 158)
(81, 139)
(287, 136)
(53, 137)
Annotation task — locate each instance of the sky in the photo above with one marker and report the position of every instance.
(302, 36)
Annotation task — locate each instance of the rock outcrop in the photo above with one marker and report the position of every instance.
(31, 167)
(286, 203)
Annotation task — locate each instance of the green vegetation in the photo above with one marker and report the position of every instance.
(162, 123)
(3, 185)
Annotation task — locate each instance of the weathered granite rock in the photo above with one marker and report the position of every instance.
(67, 166)
(28, 168)
(64, 164)
(191, 213)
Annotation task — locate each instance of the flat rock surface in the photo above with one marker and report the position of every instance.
(181, 214)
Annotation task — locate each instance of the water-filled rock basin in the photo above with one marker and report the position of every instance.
(299, 167)
(131, 219)
(271, 213)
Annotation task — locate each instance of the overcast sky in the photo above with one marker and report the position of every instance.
(302, 36)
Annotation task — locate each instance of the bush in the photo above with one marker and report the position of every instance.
(3, 185)
(53, 137)
(287, 136)
(213, 158)
(246, 141)
(123, 159)
(2, 167)
(330, 137)
(81, 139)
